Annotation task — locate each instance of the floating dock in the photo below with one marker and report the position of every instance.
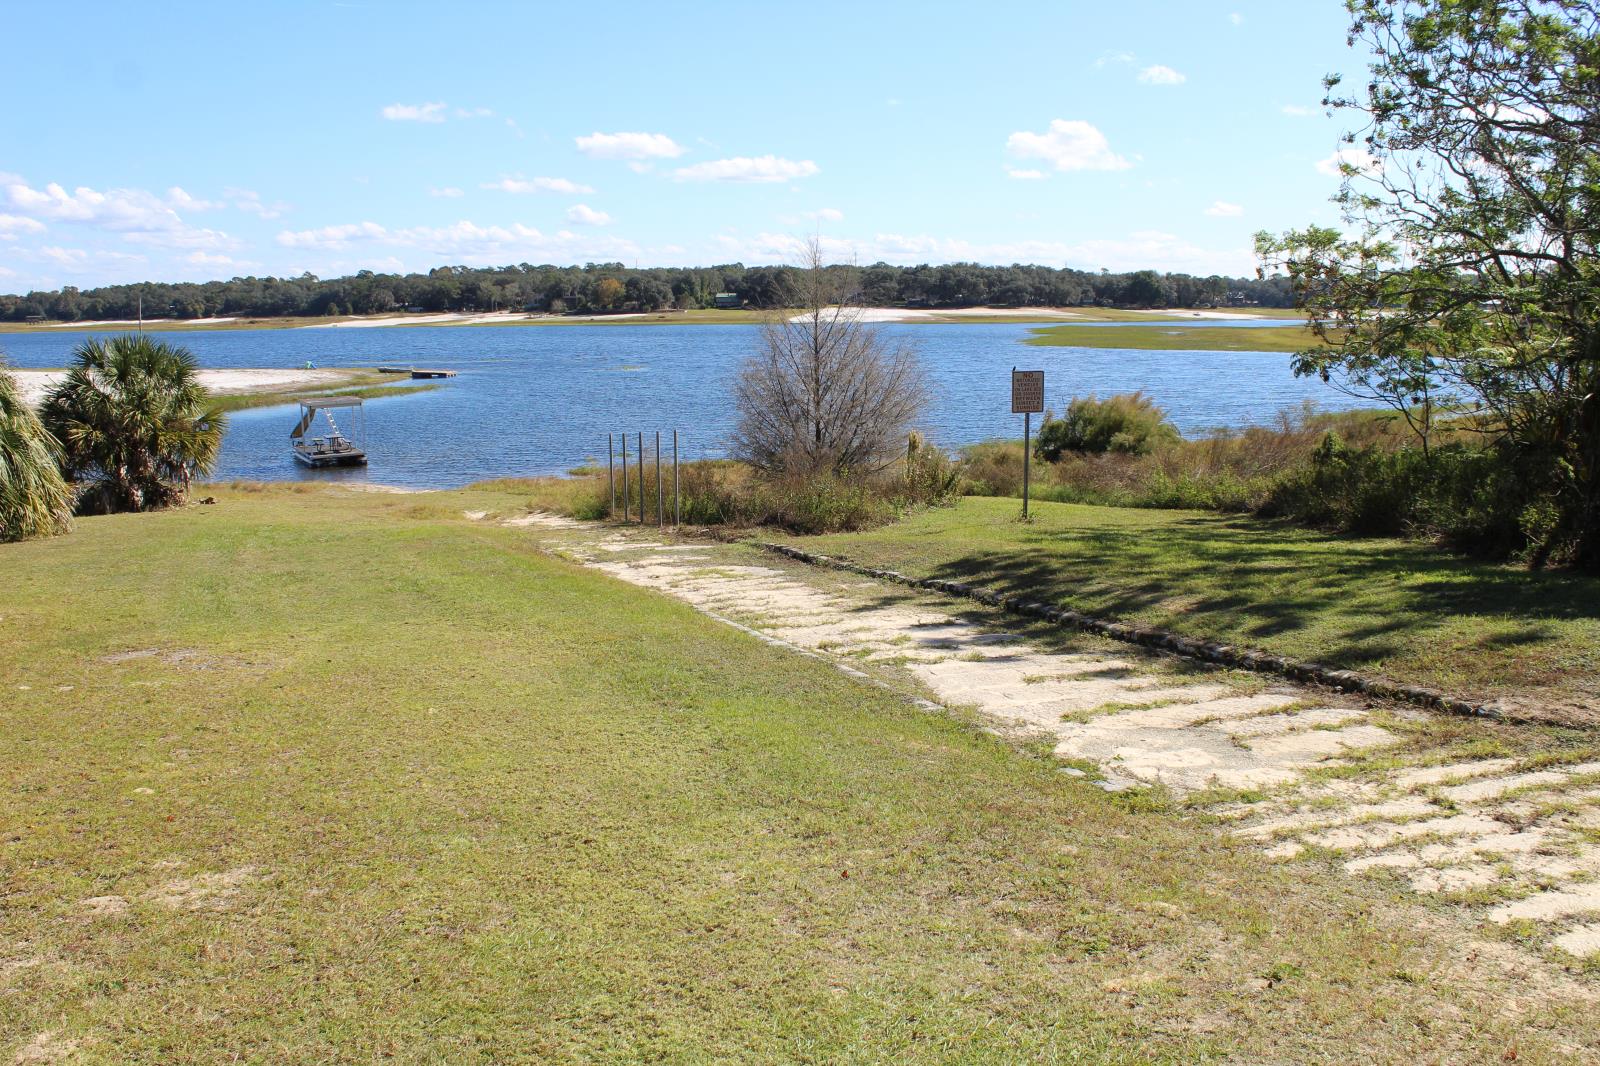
(416, 373)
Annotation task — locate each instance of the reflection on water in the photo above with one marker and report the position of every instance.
(540, 400)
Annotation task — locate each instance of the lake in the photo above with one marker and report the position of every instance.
(541, 399)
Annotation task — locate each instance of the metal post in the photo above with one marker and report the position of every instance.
(641, 478)
(677, 506)
(1027, 425)
(660, 522)
(624, 477)
(611, 471)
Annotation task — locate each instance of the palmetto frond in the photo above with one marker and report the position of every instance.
(134, 422)
(34, 498)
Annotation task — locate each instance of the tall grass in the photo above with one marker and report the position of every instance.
(1354, 471)
(723, 492)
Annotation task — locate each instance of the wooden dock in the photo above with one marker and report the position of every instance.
(415, 373)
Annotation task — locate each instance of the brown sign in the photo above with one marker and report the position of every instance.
(1027, 392)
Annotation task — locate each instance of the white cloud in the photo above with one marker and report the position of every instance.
(449, 192)
(12, 225)
(117, 209)
(80, 259)
(1236, 18)
(766, 168)
(467, 242)
(629, 146)
(251, 203)
(585, 215)
(414, 112)
(1069, 144)
(186, 237)
(1026, 175)
(826, 214)
(1223, 209)
(1113, 57)
(1160, 75)
(1359, 158)
(473, 112)
(138, 215)
(207, 259)
(182, 201)
(332, 236)
(527, 185)
(1296, 110)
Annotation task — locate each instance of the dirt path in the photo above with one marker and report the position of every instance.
(1513, 839)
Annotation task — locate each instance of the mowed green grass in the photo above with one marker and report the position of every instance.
(1171, 336)
(373, 781)
(1394, 607)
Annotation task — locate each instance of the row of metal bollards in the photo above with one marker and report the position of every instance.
(611, 478)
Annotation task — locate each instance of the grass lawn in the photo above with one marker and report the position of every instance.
(1171, 336)
(1388, 606)
(315, 776)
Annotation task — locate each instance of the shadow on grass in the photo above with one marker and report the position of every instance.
(1343, 600)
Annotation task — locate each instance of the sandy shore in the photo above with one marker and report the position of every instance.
(1186, 312)
(908, 314)
(135, 322)
(462, 318)
(35, 383)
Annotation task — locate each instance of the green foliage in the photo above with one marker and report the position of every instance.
(134, 422)
(1467, 264)
(1129, 423)
(34, 500)
(1470, 497)
(526, 287)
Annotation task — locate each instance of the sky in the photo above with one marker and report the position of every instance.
(190, 142)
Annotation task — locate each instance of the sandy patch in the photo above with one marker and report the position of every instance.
(909, 314)
(1189, 312)
(46, 1047)
(187, 658)
(36, 383)
(456, 318)
(105, 906)
(105, 322)
(204, 892)
(369, 486)
(214, 321)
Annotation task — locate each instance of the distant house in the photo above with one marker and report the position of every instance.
(727, 301)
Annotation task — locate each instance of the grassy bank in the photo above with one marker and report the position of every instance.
(316, 775)
(1388, 606)
(1174, 337)
(367, 384)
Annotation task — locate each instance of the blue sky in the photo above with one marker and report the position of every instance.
(198, 141)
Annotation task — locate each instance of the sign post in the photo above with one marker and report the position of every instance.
(1027, 400)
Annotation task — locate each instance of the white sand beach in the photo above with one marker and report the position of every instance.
(910, 314)
(36, 383)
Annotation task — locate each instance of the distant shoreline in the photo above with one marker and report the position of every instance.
(411, 320)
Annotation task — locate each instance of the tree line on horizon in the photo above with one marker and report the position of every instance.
(603, 287)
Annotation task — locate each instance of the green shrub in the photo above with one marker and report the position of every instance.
(1130, 423)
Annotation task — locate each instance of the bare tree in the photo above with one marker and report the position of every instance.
(827, 391)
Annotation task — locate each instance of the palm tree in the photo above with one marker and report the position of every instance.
(134, 423)
(34, 499)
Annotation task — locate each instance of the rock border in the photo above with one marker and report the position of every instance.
(1188, 647)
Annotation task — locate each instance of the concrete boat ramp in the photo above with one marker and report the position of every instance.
(1513, 841)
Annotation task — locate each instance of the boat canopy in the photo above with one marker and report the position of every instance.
(310, 406)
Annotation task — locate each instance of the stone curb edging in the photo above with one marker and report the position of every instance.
(1163, 640)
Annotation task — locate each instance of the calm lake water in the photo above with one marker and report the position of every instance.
(540, 400)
